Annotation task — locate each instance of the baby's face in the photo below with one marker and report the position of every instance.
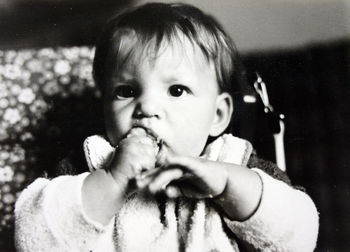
(172, 95)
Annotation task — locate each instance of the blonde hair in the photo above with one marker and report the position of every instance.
(155, 23)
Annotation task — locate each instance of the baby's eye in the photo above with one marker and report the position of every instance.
(124, 91)
(178, 90)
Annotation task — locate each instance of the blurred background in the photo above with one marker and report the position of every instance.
(301, 48)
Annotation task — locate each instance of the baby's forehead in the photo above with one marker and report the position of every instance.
(170, 52)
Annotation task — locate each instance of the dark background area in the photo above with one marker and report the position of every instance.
(309, 84)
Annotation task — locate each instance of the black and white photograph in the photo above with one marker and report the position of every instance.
(194, 125)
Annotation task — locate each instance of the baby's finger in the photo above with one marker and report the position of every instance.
(145, 177)
(191, 191)
(173, 192)
(163, 178)
(149, 173)
(188, 191)
(189, 164)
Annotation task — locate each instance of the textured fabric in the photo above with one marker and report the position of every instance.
(280, 207)
(50, 215)
(269, 167)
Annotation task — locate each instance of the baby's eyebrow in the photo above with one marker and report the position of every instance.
(176, 76)
(171, 79)
(180, 78)
(123, 78)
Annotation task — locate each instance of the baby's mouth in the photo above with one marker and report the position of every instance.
(144, 131)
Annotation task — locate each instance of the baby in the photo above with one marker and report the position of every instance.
(165, 177)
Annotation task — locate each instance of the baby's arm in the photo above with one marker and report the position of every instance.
(50, 217)
(104, 190)
(286, 219)
(75, 213)
(239, 188)
(260, 210)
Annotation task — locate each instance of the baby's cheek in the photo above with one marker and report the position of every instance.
(190, 146)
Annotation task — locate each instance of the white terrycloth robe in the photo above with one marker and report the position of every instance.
(50, 215)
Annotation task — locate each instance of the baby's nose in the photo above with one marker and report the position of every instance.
(148, 106)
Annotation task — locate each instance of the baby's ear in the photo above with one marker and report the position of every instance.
(222, 117)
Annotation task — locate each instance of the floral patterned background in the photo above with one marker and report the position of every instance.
(42, 123)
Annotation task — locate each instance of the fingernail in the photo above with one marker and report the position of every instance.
(171, 193)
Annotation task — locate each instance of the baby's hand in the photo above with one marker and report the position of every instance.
(135, 153)
(237, 189)
(104, 190)
(186, 176)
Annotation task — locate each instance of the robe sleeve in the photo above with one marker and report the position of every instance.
(286, 219)
(49, 216)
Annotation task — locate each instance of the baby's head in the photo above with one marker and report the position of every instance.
(170, 69)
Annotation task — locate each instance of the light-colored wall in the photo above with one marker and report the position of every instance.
(278, 24)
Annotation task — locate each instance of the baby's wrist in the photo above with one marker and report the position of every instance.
(102, 197)
(240, 199)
